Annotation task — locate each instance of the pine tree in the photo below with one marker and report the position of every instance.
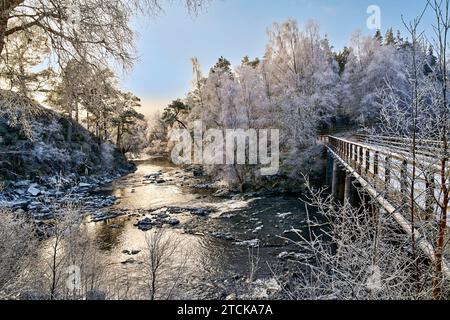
(389, 38)
(252, 63)
(430, 62)
(342, 59)
(378, 37)
(222, 65)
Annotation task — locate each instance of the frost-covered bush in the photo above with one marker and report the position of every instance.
(17, 247)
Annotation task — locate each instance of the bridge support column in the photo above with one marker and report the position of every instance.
(350, 190)
(329, 170)
(338, 183)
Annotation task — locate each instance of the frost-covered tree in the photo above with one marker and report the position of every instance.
(22, 55)
(302, 80)
(128, 124)
(293, 88)
(370, 65)
(96, 27)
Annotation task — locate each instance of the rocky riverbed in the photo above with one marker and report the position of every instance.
(38, 199)
(221, 232)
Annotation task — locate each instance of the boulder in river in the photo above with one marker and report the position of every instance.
(145, 224)
(129, 261)
(200, 212)
(289, 256)
(175, 210)
(222, 235)
(174, 222)
(131, 252)
(85, 185)
(258, 229)
(249, 243)
(284, 215)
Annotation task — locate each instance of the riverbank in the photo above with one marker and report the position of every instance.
(36, 198)
(231, 246)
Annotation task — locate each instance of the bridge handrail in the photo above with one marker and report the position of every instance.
(388, 153)
(425, 147)
(418, 141)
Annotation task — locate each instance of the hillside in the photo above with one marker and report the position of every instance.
(34, 143)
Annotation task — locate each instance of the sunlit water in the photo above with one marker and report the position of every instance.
(266, 218)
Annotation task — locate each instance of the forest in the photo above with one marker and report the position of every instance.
(91, 207)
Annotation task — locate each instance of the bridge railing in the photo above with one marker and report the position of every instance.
(424, 147)
(391, 172)
(386, 174)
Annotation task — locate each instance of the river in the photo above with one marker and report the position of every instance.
(211, 248)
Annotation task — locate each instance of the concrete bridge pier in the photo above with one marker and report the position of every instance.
(338, 183)
(344, 187)
(351, 192)
(329, 170)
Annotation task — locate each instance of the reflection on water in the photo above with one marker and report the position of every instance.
(266, 219)
(136, 193)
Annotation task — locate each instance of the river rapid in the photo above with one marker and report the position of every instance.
(220, 241)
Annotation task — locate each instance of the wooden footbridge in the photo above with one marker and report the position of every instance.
(384, 168)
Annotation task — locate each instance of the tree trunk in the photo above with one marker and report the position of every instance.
(440, 243)
(118, 135)
(6, 6)
(3, 26)
(77, 112)
(69, 128)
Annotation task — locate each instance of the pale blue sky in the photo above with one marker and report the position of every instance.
(233, 29)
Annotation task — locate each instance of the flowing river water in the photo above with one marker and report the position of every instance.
(211, 248)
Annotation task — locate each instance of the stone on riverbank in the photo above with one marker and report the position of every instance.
(249, 243)
(33, 191)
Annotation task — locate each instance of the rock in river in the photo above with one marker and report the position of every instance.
(174, 222)
(289, 256)
(249, 243)
(200, 212)
(145, 224)
(129, 261)
(85, 185)
(222, 235)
